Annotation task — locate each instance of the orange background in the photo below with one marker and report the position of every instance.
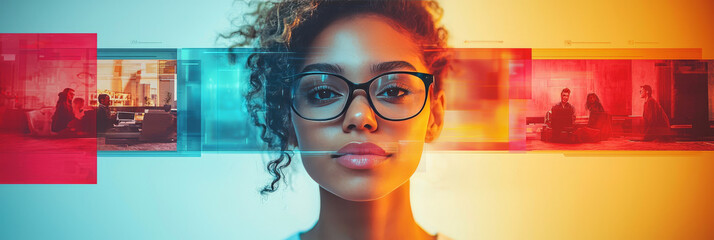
(573, 194)
(586, 24)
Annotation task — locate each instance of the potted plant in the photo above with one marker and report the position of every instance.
(167, 101)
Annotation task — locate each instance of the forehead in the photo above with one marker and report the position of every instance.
(358, 42)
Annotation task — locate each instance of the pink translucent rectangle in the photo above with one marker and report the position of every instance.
(34, 69)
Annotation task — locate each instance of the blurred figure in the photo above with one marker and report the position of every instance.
(63, 110)
(656, 122)
(562, 118)
(598, 122)
(105, 121)
(80, 125)
(78, 108)
(593, 103)
(563, 109)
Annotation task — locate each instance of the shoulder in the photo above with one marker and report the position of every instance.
(295, 236)
(440, 236)
(651, 102)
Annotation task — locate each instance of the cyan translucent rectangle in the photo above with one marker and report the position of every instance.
(136, 53)
(188, 102)
(225, 123)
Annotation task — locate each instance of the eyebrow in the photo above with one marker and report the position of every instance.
(377, 68)
(391, 66)
(323, 67)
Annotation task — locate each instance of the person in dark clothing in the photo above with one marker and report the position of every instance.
(104, 115)
(84, 122)
(593, 104)
(598, 127)
(656, 122)
(596, 111)
(563, 110)
(63, 110)
(562, 118)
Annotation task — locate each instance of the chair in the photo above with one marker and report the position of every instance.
(39, 122)
(157, 126)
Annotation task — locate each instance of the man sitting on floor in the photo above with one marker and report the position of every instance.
(105, 120)
(562, 119)
(656, 122)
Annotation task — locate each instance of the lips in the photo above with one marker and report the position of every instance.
(361, 156)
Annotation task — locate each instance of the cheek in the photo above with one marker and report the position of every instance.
(409, 136)
(316, 139)
(409, 132)
(329, 136)
(313, 136)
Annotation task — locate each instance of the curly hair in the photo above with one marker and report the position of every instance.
(595, 106)
(282, 32)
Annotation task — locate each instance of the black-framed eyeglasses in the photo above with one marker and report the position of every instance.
(394, 96)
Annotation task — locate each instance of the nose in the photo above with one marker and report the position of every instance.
(359, 115)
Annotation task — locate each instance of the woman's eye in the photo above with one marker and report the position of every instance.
(394, 92)
(323, 94)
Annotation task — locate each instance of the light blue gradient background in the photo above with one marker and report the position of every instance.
(154, 24)
(225, 123)
(214, 196)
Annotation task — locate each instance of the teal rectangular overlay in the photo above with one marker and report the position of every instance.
(216, 87)
(210, 100)
(188, 100)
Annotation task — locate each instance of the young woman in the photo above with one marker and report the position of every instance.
(598, 127)
(593, 103)
(78, 108)
(63, 110)
(356, 87)
(83, 122)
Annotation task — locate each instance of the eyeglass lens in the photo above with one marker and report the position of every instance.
(394, 96)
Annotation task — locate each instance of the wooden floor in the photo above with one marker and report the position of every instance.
(135, 146)
(27, 143)
(47, 160)
(623, 144)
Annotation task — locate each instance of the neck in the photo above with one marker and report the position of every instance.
(389, 217)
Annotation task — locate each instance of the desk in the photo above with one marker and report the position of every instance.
(123, 134)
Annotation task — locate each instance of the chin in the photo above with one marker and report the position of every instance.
(363, 185)
(361, 194)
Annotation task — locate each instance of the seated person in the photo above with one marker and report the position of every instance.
(656, 122)
(78, 108)
(105, 120)
(63, 110)
(562, 119)
(598, 122)
(82, 123)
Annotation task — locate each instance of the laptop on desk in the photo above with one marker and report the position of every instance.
(125, 116)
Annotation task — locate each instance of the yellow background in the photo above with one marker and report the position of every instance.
(600, 24)
(575, 194)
